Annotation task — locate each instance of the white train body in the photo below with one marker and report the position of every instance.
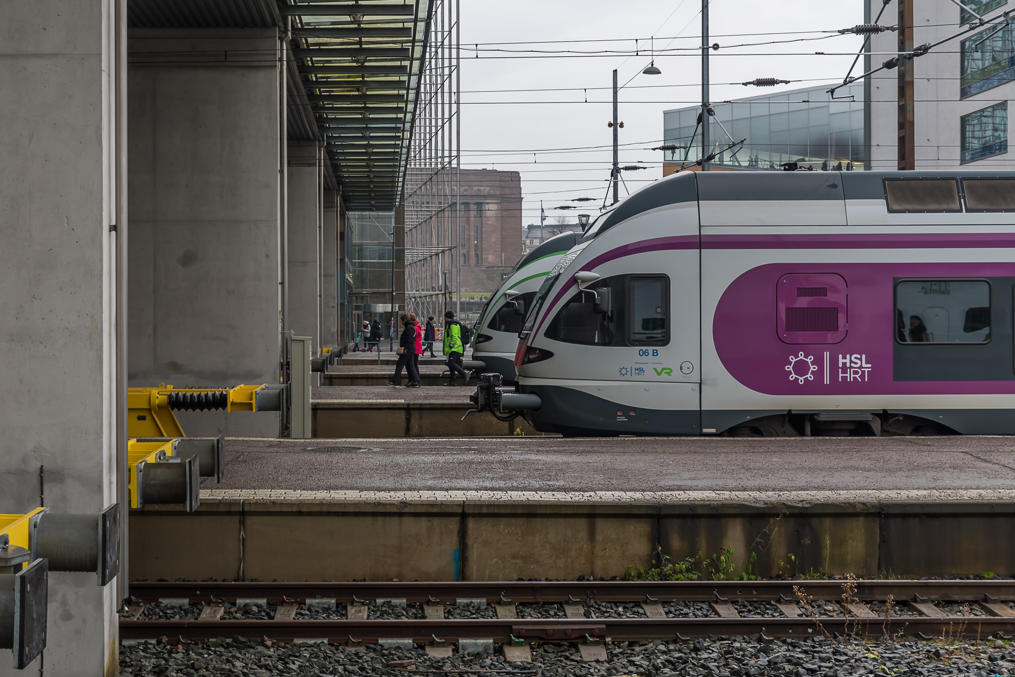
(783, 302)
(496, 333)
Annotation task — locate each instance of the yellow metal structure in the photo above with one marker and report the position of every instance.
(18, 529)
(140, 453)
(150, 410)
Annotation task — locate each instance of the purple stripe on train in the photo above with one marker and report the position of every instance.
(746, 330)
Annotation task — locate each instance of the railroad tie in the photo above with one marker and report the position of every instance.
(999, 609)
(433, 612)
(574, 611)
(928, 609)
(653, 609)
(860, 610)
(356, 612)
(286, 612)
(506, 610)
(211, 612)
(725, 609)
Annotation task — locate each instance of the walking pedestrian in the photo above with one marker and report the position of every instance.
(375, 334)
(453, 348)
(406, 353)
(429, 336)
(417, 350)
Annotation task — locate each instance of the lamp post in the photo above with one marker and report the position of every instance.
(616, 124)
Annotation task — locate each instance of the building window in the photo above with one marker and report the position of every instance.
(981, 7)
(988, 60)
(619, 311)
(985, 133)
(942, 311)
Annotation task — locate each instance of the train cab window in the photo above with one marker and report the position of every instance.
(509, 318)
(811, 308)
(922, 195)
(989, 195)
(627, 310)
(942, 311)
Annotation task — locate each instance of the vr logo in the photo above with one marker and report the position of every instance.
(662, 371)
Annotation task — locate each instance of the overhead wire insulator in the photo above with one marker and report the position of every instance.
(765, 82)
(867, 29)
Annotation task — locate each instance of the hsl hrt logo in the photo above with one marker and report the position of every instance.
(801, 367)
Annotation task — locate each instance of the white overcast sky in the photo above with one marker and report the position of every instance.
(510, 124)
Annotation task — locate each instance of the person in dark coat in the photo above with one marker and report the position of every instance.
(375, 334)
(406, 353)
(429, 336)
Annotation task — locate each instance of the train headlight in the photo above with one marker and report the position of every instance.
(533, 354)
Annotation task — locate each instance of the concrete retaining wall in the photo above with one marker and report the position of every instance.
(301, 539)
(396, 418)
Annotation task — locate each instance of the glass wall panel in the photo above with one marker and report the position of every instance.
(988, 60)
(985, 133)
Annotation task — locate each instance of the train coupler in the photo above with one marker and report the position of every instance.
(504, 404)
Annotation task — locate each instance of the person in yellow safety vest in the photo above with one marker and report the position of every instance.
(453, 348)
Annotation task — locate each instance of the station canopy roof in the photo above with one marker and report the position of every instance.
(353, 77)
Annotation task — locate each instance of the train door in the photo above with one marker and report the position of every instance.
(682, 367)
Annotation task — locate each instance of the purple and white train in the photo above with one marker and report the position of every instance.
(780, 304)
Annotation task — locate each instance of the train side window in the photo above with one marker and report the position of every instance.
(510, 317)
(648, 299)
(618, 311)
(922, 195)
(942, 311)
(989, 195)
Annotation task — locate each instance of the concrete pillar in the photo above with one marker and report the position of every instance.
(305, 201)
(62, 224)
(207, 205)
(329, 268)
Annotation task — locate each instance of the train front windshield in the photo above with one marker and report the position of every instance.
(537, 303)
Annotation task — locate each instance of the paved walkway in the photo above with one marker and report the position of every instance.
(626, 469)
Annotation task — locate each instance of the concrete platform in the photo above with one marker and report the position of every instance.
(484, 509)
(378, 374)
(392, 411)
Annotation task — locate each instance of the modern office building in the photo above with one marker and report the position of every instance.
(961, 89)
(802, 126)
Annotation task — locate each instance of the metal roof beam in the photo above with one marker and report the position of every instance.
(354, 85)
(372, 32)
(360, 111)
(346, 10)
(360, 98)
(393, 69)
(353, 52)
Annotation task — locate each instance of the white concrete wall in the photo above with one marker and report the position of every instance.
(329, 266)
(938, 110)
(305, 205)
(205, 204)
(60, 110)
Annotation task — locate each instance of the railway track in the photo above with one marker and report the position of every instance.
(972, 609)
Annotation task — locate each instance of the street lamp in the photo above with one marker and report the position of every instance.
(651, 68)
(583, 220)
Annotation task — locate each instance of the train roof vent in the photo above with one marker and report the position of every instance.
(989, 195)
(922, 195)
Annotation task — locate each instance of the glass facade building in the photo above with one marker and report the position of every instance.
(988, 60)
(803, 126)
(985, 133)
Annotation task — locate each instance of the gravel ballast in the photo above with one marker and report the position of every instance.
(820, 656)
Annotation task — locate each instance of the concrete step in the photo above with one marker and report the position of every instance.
(393, 411)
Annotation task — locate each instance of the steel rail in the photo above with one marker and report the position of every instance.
(563, 630)
(577, 591)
